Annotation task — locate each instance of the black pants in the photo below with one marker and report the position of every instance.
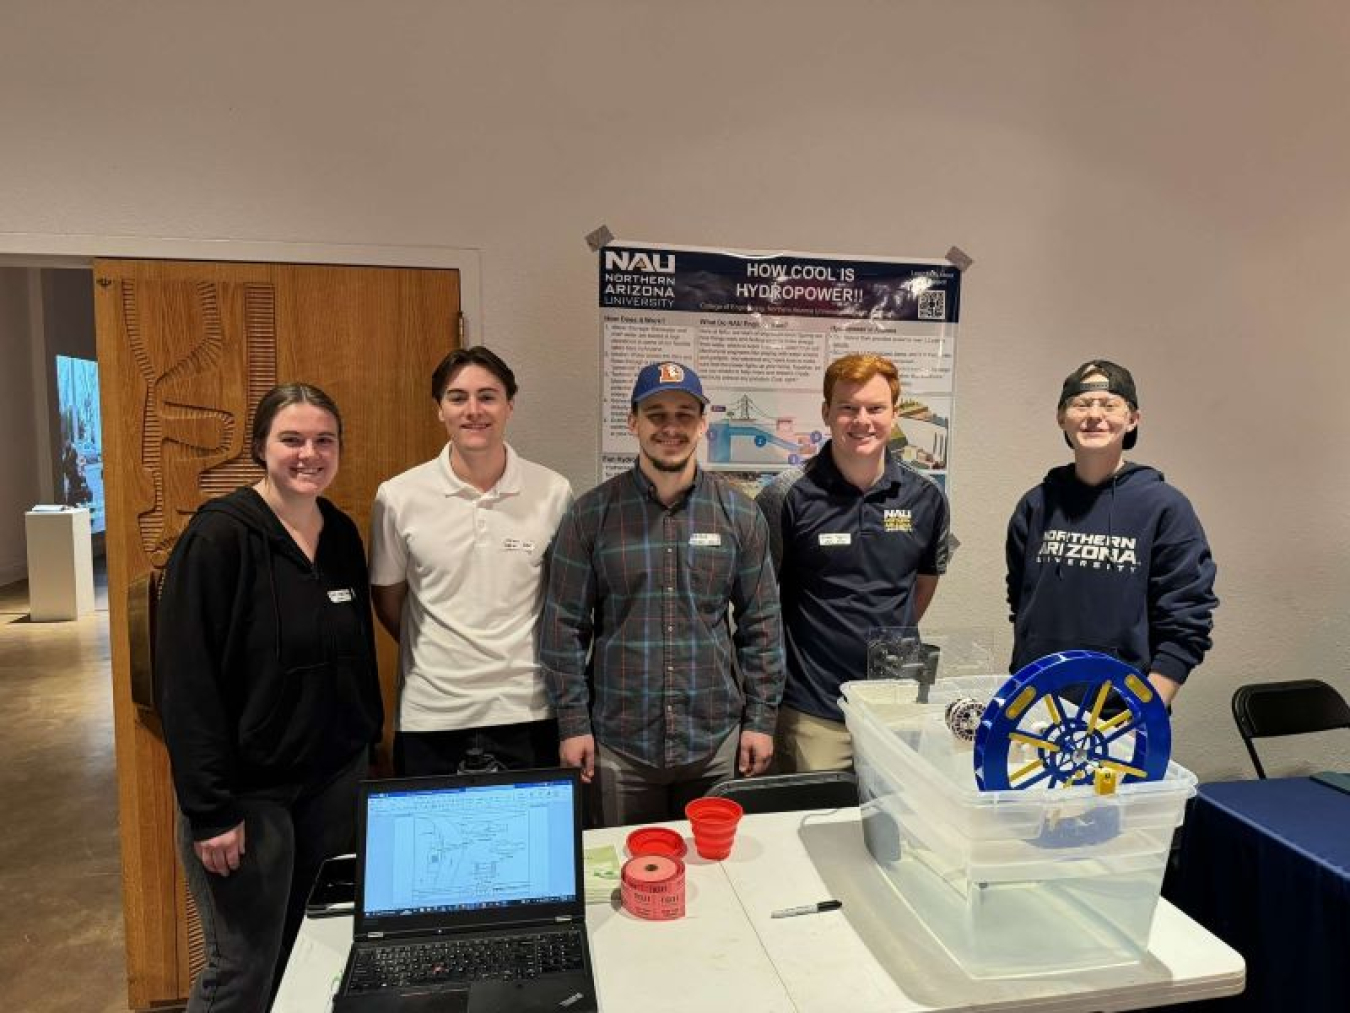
(251, 917)
(516, 747)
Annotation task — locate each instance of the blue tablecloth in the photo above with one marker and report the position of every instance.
(1265, 866)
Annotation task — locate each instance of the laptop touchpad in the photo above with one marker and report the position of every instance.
(445, 1000)
(552, 993)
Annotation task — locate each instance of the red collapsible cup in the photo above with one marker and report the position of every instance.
(713, 821)
(656, 841)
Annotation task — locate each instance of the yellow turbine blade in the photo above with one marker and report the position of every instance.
(1020, 702)
(1118, 719)
(1022, 772)
(1031, 740)
(1124, 768)
(1097, 706)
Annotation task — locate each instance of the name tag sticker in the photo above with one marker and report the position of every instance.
(837, 538)
(517, 545)
(340, 595)
(705, 538)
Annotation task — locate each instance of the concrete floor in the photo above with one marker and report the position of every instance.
(60, 873)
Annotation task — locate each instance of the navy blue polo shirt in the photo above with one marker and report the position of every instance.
(846, 561)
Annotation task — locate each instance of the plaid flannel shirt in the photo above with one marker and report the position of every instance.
(645, 590)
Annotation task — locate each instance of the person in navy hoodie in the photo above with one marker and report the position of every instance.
(1104, 555)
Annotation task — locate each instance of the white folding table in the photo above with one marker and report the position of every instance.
(869, 956)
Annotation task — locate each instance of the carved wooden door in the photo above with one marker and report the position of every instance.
(186, 350)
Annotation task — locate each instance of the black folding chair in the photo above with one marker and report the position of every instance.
(776, 793)
(1266, 709)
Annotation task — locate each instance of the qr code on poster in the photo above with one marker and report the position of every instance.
(932, 305)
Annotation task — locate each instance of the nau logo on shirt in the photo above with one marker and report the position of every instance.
(899, 520)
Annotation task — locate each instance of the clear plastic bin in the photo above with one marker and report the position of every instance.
(1009, 882)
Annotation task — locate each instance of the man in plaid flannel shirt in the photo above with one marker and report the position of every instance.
(645, 574)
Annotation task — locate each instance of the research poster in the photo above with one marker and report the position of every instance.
(759, 329)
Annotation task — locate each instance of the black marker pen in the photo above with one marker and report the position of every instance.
(808, 909)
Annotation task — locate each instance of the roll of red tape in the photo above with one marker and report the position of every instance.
(653, 887)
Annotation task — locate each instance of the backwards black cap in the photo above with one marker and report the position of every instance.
(1118, 381)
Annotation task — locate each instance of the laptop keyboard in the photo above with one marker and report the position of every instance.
(503, 958)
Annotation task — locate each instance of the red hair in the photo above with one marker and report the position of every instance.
(859, 369)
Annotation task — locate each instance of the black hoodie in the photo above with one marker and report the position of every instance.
(264, 661)
(1122, 567)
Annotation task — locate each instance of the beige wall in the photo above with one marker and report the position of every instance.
(1164, 183)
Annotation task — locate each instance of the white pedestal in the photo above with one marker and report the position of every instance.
(60, 564)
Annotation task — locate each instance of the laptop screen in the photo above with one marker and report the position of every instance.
(469, 850)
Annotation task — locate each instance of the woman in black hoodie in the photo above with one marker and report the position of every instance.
(269, 696)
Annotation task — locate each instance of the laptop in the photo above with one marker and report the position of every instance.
(469, 897)
(1333, 779)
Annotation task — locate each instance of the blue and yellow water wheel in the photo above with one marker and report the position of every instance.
(1075, 712)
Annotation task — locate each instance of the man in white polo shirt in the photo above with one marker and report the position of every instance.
(457, 551)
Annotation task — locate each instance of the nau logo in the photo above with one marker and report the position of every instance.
(671, 372)
(898, 520)
(636, 260)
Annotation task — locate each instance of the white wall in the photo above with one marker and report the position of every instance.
(1160, 183)
(19, 488)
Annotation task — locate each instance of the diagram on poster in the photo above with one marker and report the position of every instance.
(921, 430)
(753, 429)
(760, 330)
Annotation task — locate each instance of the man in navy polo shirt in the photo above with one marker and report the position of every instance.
(859, 540)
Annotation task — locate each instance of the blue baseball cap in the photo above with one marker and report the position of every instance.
(660, 377)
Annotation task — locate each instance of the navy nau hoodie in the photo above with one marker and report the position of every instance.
(1123, 568)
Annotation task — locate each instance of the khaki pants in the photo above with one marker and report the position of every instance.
(630, 791)
(805, 742)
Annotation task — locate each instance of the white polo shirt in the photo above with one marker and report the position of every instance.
(473, 562)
